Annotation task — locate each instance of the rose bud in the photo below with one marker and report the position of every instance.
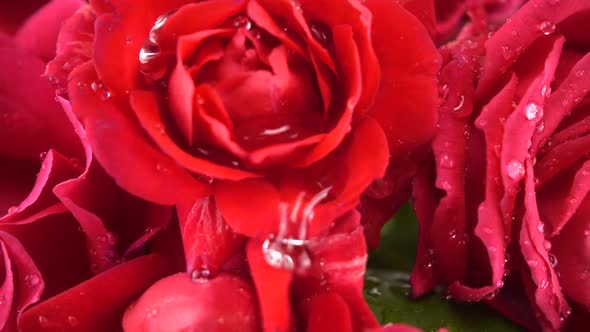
(178, 303)
(503, 205)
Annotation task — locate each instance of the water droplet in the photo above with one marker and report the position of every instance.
(32, 280)
(446, 185)
(111, 238)
(587, 232)
(546, 90)
(532, 262)
(160, 128)
(161, 168)
(547, 27)
(242, 22)
(446, 161)
(43, 321)
(500, 284)
(533, 110)
(201, 274)
(507, 52)
(585, 274)
(540, 127)
(541, 227)
(515, 170)
(149, 230)
(152, 313)
(42, 155)
(101, 90)
(319, 33)
(275, 255)
(578, 99)
(375, 291)
(73, 321)
(460, 104)
(544, 284)
(547, 245)
(579, 73)
(553, 260)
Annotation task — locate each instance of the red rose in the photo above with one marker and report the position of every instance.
(503, 206)
(62, 219)
(263, 122)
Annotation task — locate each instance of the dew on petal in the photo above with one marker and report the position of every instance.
(460, 104)
(242, 22)
(515, 170)
(43, 321)
(533, 110)
(579, 73)
(32, 280)
(547, 27)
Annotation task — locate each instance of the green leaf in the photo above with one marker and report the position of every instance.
(387, 293)
(387, 287)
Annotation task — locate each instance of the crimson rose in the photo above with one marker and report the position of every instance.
(503, 207)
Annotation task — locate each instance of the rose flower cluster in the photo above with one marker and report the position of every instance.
(224, 165)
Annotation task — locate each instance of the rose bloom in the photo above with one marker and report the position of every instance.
(503, 205)
(262, 123)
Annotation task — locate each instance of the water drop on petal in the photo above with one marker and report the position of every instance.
(533, 110)
(547, 27)
(515, 170)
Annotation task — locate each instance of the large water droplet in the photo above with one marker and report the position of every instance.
(201, 274)
(242, 22)
(515, 170)
(533, 110)
(547, 27)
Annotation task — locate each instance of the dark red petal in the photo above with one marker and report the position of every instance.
(424, 11)
(31, 119)
(405, 104)
(208, 240)
(56, 245)
(520, 127)
(39, 33)
(177, 303)
(13, 14)
(572, 251)
(272, 286)
(145, 106)
(93, 306)
(547, 297)
(122, 150)
(502, 48)
(328, 312)
(54, 170)
(561, 102)
(258, 215)
(22, 283)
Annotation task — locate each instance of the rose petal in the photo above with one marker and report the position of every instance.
(123, 152)
(90, 306)
(39, 33)
(272, 286)
(409, 118)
